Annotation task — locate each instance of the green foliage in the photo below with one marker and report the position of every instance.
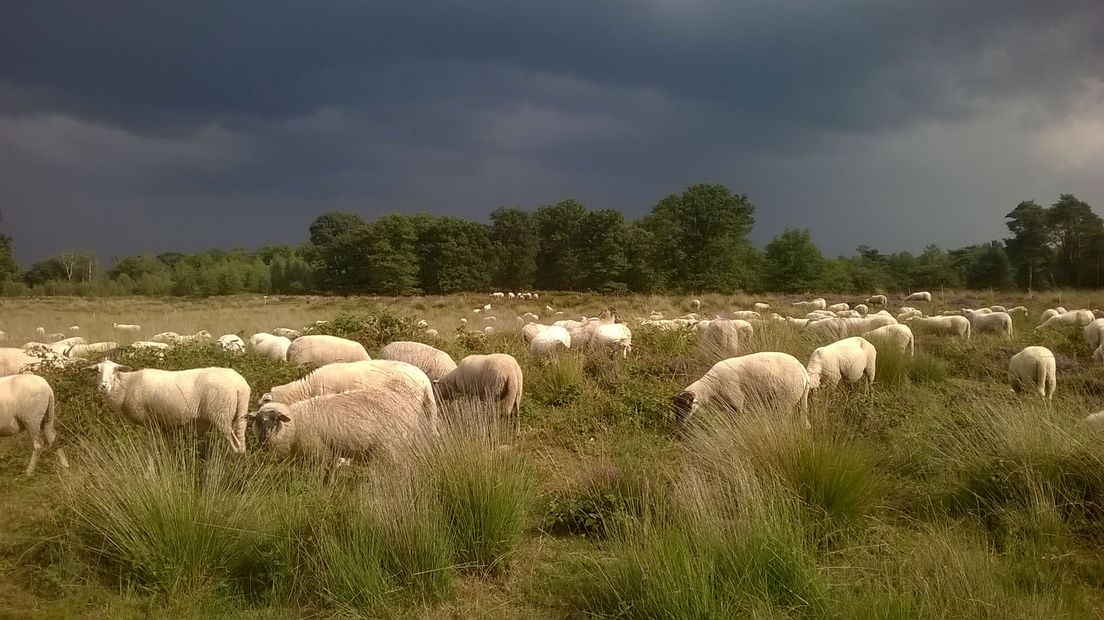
(600, 501)
(486, 492)
(791, 263)
(374, 329)
(560, 383)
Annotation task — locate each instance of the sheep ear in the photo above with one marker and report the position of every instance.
(283, 418)
(124, 368)
(249, 417)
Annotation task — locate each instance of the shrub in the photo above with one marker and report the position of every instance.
(374, 329)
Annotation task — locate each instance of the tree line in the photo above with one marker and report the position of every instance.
(695, 241)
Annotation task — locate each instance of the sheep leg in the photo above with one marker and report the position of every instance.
(50, 435)
(36, 449)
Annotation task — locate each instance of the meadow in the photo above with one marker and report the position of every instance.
(934, 493)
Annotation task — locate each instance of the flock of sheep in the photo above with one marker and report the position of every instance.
(351, 405)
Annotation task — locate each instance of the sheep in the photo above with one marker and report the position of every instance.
(73, 329)
(27, 404)
(769, 380)
(344, 377)
(498, 295)
(61, 347)
(435, 363)
(158, 348)
(3, 336)
(1018, 310)
(615, 336)
(996, 308)
(390, 419)
(695, 304)
(827, 329)
(286, 332)
(760, 307)
(494, 379)
(486, 307)
(488, 331)
(1048, 313)
(995, 322)
(202, 398)
(897, 335)
(321, 350)
(432, 333)
(877, 300)
(745, 315)
(850, 359)
(1094, 333)
(721, 338)
(165, 337)
(550, 341)
(529, 317)
(200, 336)
(947, 325)
(84, 351)
(490, 319)
(40, 333)
(977, 311)
(910, 313)
(232, 343)
(1072, 318)
(511, 295)
(54, 337)
(1033, 369)
(862, 309)
(849, 314)
(838, 307)
(655, 315)
(816, 304)
(126, 328)
(921, 296)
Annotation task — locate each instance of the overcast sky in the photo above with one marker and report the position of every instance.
(187, 125)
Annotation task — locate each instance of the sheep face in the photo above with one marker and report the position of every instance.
(268, 422)
(685, 404)
(107, 375)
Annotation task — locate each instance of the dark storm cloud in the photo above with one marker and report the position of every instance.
(185, 125)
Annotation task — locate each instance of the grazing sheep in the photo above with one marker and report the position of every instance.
(840, 307)
(815, 304)
(40, 333)
(1033, 369)
(322, 350)
(760, 381)
(996, 308)
(978, 311)
(877, 300)
(721, 338)
(1048, 313)
(862, 309)
(1094, 333)
(760, 307)
(529, 317)
(74, 329)
(1000, 322)
(435, 363)
(126, 328)
(945, 325)
(1018, 310)
(432, 333)
(212, 397)
(921, 296)
(550, 341)
(14, 361)
(27, 404)
(286, 332)
(232, 343)
(388, 420)
(745, 315)
(850, 359)
(165, 337)
(498, 295)
(827, 329)
(897, 335)
(1073, 318)
(495, 380)
(85, 351)
(909, 314)
(146, 345)
(613, 336)
(353, 377)
(695, 304)
(200, 336)
(488, 331)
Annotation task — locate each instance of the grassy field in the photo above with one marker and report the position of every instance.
(937, 493)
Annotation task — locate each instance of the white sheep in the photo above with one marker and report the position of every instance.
(550, 341)
(721, 338)
(74, 329)
(877, 300)
(388, 420)
(84, 351)
(1094, 333)
(126, 328)
(200, 336)
(745, 315)
(158, 348)
(850, 359)
(921, 296)
(27, 404)
(286, 332)
(997, 308)
(613, 336)
(1018, 310)
(1033, 369)
(899, 336)
(840, 307)
(498, 295)
(14, 361)
(322, 350)
(1073, 318)
(212, 397)
(432, 333)
(760, 307)
(434, 362)
(489, 330)
(909, 314)
(695, 304)
(862, 309)
(944, 325)
(165, 337)
(1000, 322)
(494, 380)
(529, 317)
(231, 343)
(760, 381)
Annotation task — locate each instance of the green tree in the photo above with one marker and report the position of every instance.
(990, 267)
(1074, 229)
(559, 244)
(514, 238)
(701, 239)
(391, 255)
(340, 244)
(603, 251)
(1028, 247)
(792, 263)
(454, 255)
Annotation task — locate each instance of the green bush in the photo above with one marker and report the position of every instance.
(374, 329)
